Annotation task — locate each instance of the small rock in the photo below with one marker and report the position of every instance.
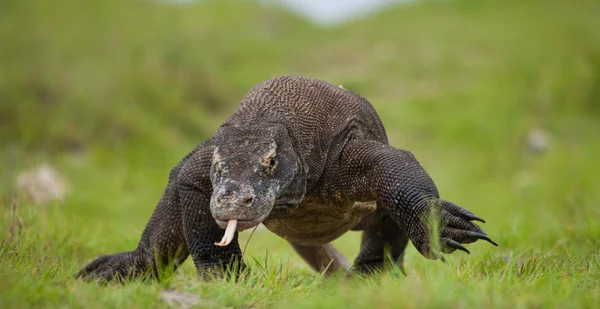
(179, 299)
(41, 185)
(538, 140)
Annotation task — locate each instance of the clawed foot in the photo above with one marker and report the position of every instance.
(370, 268)
(455, 229)
(113, 268)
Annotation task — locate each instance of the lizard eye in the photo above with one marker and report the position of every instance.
(268, 164)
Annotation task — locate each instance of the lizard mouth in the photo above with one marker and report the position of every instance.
(233, 225)
(241, 225)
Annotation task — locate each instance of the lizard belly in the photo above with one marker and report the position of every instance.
(316, 224)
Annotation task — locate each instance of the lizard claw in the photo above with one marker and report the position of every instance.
(472, 217)
(454, 245)
(482, 236)
(437, 255)
(455, 229)
(459, 211)
(441, 257)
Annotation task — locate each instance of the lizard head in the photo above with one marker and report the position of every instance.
(254, 169)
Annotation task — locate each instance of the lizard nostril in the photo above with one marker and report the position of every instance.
(249, 199)
(219, 201)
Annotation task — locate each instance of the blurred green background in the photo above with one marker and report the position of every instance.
(499, 101)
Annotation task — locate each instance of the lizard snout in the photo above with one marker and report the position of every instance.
(232, 201)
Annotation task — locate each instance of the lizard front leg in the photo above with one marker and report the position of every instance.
(181, 224)
(200, 228)
(162, 243)
(400, 184)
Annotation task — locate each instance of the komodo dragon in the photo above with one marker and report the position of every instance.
(310, 161)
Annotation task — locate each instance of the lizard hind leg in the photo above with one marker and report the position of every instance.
(323, 258)
(375, 241)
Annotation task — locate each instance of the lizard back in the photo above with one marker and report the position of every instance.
(319, 116)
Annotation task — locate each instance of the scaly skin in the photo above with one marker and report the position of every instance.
(310, 161)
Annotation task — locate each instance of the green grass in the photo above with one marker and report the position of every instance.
(114, 98)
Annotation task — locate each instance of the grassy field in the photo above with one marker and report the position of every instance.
(115, 93)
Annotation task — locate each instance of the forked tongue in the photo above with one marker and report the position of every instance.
(229, 233)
